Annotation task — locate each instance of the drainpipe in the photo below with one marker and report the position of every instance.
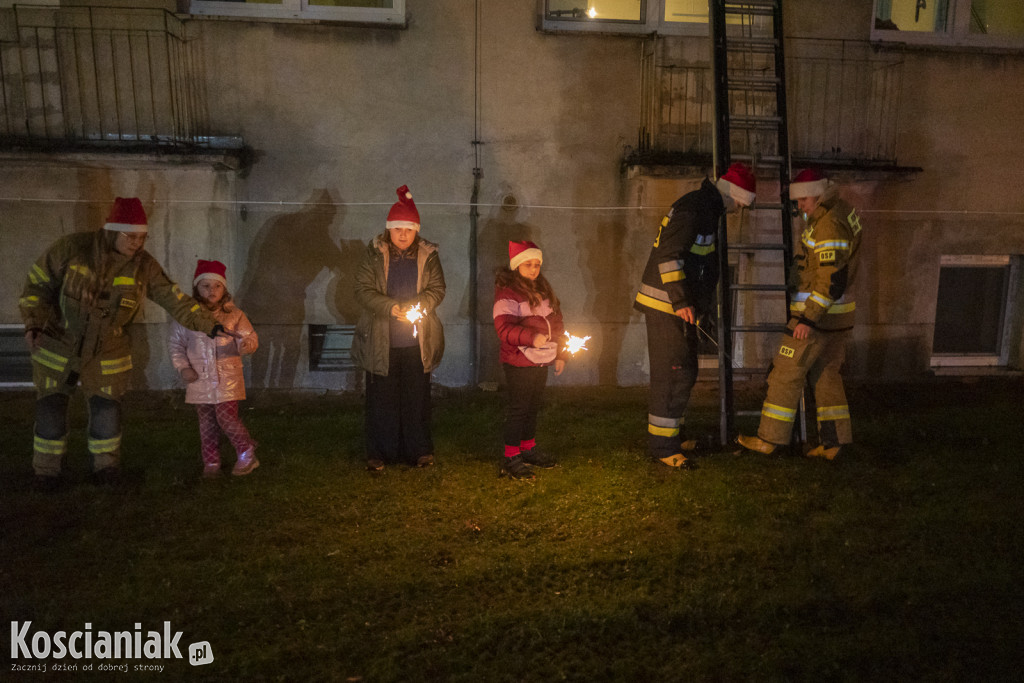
(474, 213)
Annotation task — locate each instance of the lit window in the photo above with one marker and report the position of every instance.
(975, 23)
(678, 17)
(384, 12)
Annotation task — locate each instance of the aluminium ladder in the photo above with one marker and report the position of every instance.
(748, 69)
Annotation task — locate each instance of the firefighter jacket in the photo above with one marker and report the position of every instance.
(372, 342)
(682, 269)
(518, 323)
(82, 295)
(826, 267)
(217, 361)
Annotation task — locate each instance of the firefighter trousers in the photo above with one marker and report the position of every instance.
(818, 360)
(672, 350)
(51, 433)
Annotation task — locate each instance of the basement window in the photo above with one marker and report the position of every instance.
(976, 299)
(950, 23)
(666, 17)
(15, 361)
(374, 12)
(330, 348)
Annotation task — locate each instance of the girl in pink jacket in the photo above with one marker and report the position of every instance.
(528, 320)
(212, 370)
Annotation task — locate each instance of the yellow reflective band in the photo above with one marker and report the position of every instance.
(820, 299)
(49, 446)
(195, 307)
(657, 305)
(673, 277)
(780, 413)
(834, 413)
(37, 274)
(701, 250)
(49, 383)
(108, 390)
(662, 431)
(49, 359)
(124, 282)
(104, 445)
(177, 291)
(84, 270)
(28, 301)
(112, 367)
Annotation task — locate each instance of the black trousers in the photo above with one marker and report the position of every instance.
(398, 409)
(524, 388)
(672, 349)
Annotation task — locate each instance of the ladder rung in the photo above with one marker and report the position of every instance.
(754, 84)
(755, 121)
(760, 162)
(762, 46)
(753, 287)
(756, 246)
(765, 207)
(750, 10)
(766, 327)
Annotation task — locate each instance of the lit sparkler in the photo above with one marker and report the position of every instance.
(575, 343)
(414, 315)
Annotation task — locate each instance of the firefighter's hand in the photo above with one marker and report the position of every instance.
(540, 340)
(559, 366)
(33, 338)
(802, 331)
(188, 375)
(689, 314)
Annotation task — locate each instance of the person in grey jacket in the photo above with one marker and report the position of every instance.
(399, 339)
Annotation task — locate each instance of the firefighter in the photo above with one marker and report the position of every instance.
(821, 319)
(677, 289)
(78, 300)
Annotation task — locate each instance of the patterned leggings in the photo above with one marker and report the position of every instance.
(215, 418)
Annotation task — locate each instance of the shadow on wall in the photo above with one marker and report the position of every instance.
(610, 285)
(288, 254)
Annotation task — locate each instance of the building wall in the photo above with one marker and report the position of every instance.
(340, 116)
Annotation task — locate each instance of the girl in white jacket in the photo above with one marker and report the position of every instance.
(212, 370)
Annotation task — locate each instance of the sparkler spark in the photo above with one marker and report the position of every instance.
(414, 315)
(575, 343)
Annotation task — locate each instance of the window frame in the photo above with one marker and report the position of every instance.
(957, 34)
(302, 10)
(652, 21)
(1010, 307)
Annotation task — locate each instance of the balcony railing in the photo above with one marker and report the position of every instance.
(843, 105)
(97, 76)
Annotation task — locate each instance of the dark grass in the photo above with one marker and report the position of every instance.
(899, 562)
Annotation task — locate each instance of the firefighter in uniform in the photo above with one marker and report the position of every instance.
(78, 300)
(821, 317)
(677, 288)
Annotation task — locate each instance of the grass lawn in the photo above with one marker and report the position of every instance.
(901, 561)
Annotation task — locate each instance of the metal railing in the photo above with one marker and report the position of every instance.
(843, 104)
(98, 76)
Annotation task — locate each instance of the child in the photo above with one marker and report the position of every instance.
(212, 370)
(400, 272)
(528, 321)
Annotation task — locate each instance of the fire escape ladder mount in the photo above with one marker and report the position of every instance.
(748, 69)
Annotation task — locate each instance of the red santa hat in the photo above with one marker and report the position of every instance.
(809, 182)
(127, 215)
(403, 213)
(210, 270)
(739, 183)
(520, 252)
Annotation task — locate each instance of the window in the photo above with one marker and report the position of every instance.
(959, 23)
(383, 12)
(15, 362)
(689, 17)
(975, 300)
(330, 348)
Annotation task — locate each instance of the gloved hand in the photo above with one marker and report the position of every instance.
(217, 329)
(189, 375)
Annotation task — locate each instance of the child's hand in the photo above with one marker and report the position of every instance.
(540, 340)
(246, 345)
(559, 366)
(188, 375)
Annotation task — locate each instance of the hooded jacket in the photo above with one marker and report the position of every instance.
(218, 361)
(372, 342)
